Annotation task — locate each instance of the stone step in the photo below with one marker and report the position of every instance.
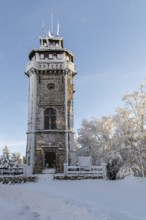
(48, 171)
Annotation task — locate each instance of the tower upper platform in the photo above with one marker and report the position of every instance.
(50, 41)
(51, 51)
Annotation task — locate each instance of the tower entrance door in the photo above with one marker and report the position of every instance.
(50, 159)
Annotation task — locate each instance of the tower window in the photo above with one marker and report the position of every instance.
(42, 56)
(49, 119)
(50, 56)
(59, 56)
(54, 56)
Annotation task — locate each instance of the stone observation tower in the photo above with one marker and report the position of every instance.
(50, 70)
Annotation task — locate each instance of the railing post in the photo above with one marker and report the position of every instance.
(104, 170)
(26, 170)
(65, 169)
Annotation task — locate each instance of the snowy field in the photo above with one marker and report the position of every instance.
(74, 200)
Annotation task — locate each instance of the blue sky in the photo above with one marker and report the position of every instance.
(107, 37)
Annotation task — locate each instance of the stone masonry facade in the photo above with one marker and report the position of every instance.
(50, 71)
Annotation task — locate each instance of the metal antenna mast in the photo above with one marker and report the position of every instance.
(58, 27)
(43, 32)
(52, 23)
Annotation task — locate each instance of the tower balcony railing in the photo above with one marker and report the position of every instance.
(50, 66)
(69, 65)
(32, 64)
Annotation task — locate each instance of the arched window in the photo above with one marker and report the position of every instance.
(49, 119)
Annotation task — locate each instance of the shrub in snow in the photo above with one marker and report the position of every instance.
(125, 170)
(136, 169)
(114, 161)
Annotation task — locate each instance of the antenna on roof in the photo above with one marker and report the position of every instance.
(52, 23)
(58, 29)
(49, 33)
(43, 32)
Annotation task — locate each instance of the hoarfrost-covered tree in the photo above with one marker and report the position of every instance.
(5, 158)
(130, 133)
(122, 135)
(6, 152)
(16, 159)
(95, 137)
(136, 105)
(8, 159)
(127, 141)
(136, 123)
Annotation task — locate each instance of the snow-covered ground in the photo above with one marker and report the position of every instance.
(74, 200)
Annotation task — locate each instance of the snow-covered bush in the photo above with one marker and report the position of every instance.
(114, 161)
(124, 171)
